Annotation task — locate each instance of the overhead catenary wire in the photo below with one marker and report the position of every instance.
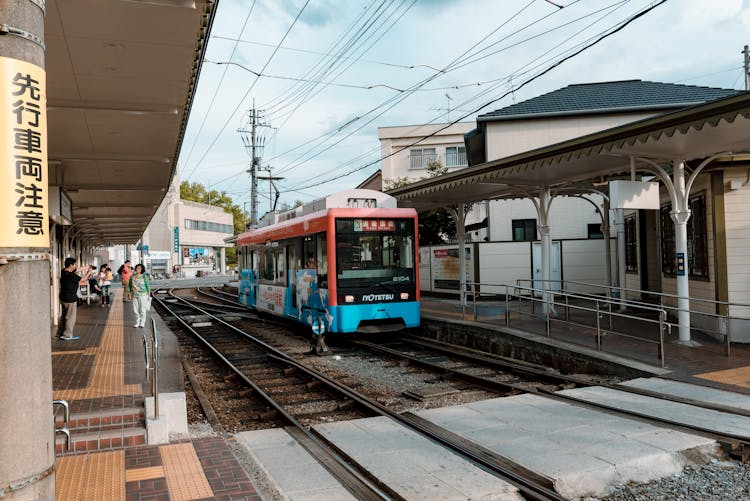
(252, 85)
(391, 102)
(611, 32)
(616, 6)
(216, 93)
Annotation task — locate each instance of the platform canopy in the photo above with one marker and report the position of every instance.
(121, 76)
(580, 164)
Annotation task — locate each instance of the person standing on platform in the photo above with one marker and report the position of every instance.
(126, 271)
(140, 289)
(69, 280)
(105, 280)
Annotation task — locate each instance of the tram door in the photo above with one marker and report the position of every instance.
(555, 275)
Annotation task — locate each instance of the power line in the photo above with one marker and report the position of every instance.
(611, 32)
(616, 6)
(268, 61)
(324, 54)
(216, 92)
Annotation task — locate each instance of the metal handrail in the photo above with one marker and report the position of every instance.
(515, 291)
(725, 318)
(66, 419)
(152, 364)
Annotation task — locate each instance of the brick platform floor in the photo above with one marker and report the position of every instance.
(190, 470)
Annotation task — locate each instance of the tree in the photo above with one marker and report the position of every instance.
(436, 226)
(196, 192)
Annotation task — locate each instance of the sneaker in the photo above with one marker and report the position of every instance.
(71, 338)
(137, 325)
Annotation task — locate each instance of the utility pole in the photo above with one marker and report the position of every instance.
(746, 66)
(253, 136)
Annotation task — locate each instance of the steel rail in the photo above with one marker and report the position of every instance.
(502, 363)
(739, 444)
(351, 479)
(532, 485)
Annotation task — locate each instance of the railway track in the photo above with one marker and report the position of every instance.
(286, 388)
(504, 377)
(461, 364)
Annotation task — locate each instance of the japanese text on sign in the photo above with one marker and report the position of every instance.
(374, 225)
(23, 147)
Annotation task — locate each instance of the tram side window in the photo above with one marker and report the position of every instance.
(266, 265)
(308, 252)
(322, 260)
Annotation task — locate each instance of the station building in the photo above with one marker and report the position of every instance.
(508, 230)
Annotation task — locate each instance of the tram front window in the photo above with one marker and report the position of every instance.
(375, 253)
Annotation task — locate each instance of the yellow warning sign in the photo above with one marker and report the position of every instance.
(24, 185)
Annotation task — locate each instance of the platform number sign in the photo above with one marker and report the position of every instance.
(23, 148)
(680, 262)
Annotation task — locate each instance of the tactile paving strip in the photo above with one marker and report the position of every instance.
(737, 377)
(185, 476)
(107, 375)
(91, 477)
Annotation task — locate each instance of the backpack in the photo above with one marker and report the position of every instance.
(119, 270)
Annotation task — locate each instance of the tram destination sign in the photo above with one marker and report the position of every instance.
(374, 225)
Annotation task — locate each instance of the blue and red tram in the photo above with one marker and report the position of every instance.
(347, 263)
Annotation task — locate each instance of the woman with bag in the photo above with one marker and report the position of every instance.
(140, 289)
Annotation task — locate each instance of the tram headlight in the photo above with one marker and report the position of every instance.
(404, 296)
(349, 299)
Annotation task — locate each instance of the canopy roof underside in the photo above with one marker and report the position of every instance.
(693, 133)
(121, 76)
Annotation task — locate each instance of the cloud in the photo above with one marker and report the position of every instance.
(316, 14)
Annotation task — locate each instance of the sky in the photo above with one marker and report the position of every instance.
(323, 75)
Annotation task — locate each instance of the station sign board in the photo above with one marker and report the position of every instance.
(24, 181)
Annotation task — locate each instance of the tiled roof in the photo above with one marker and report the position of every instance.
(608, 97)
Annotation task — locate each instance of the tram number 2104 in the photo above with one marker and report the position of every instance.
(361, 203)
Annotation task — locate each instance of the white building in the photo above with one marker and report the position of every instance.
(571, 112)
(187, 237)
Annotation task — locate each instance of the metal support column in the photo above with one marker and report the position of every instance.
(680, 215)
(461, 236)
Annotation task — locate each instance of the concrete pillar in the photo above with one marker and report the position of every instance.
(223, 260)
(27, 444)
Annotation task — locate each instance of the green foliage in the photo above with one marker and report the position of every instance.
(196, 192)
(396, 182)
(436, 226)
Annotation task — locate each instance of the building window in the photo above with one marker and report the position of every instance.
(420, 157)
(595, 230)
(455, 156)
(697, 237)
(524, 230)
(697, 244)
(191, 224)
(631, 245)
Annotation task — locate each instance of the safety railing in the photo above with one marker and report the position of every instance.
(66, 419)
(151, 353)
(598, 314)
(717, 325)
